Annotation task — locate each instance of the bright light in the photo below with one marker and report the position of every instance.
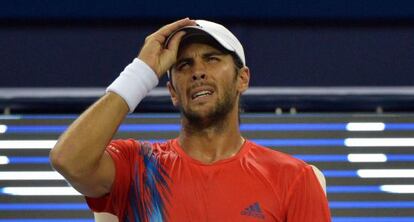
(379, 157)
(27, 144)
(4, 160)
(40, 191)
(30, 175)
(379, 142)
(10, 117)
(365, 126)
(3, 128)
(397, 188)
(386, 173)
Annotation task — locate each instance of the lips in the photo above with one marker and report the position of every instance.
(199, 92)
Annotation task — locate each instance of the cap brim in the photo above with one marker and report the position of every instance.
(192, 30)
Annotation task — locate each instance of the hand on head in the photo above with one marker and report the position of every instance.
(154, 54)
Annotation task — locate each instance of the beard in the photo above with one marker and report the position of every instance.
(214, 117)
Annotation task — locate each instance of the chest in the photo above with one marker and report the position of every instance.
(223, 193)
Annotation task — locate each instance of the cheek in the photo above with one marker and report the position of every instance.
(229, 79)
(180, 90)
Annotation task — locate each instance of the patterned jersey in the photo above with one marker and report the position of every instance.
(160, 182)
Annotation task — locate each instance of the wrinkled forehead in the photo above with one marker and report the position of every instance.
(200, 38)
(194, 36)
(197, 50)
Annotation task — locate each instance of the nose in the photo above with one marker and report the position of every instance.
(199, 76)
(199, 71)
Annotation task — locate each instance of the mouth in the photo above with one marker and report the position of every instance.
(201, 93)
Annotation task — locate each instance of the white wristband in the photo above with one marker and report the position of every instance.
(134, 83)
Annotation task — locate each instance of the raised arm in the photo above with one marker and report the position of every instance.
(79, 155)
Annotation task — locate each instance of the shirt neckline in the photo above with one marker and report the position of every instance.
(243, 149)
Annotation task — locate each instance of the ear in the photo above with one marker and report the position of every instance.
(243, 79)
(173, 94)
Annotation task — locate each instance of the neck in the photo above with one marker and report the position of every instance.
(212, 142)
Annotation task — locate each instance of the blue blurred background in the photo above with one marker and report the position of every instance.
(319, 69)
(287, 43)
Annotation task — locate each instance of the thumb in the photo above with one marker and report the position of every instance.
(169, 56)
(175, 42)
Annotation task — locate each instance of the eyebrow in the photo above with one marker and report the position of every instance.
(204, 55)
(208, 54)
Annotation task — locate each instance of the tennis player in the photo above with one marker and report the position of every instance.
(210, 172)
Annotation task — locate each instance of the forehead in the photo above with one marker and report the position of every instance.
(193, 49)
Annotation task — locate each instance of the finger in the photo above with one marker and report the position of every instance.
(168, 29)
(175, 41)
(161, 35)
(170, 54)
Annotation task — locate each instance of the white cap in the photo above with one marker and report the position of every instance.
(220, 33)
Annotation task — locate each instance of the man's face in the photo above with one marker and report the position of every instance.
(206, 84)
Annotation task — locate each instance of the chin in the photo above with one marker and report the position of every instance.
(200, 113)
(208, 113)
(206, 116)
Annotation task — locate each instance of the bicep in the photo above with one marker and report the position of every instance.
(104, 217)
(100, 181)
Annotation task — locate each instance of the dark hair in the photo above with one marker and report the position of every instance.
(237, 61)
